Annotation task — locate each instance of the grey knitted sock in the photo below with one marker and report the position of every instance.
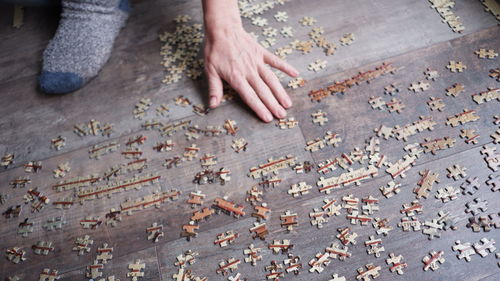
(82, 43)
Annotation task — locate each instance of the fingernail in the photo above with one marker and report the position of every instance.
(281, 113)
(287, 102)
(212, 101)
(268, 117)
(295, 73)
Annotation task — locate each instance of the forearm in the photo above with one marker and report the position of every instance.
(220, 16)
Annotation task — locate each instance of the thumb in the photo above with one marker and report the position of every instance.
(214, 90)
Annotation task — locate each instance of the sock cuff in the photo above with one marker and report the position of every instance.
(82, 8)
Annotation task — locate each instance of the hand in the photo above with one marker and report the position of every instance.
(232, 55)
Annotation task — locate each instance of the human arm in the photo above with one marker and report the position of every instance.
(232, 55)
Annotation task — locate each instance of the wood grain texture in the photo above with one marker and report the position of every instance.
(111, 97)
(383, 29)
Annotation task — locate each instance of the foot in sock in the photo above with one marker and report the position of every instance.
(82, 43)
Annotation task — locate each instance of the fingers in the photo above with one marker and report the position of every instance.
(249, 96)
(274, 84)
(280, 64)
(215, 89)
(264, 93)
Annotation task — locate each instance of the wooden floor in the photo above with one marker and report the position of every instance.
(408, 34)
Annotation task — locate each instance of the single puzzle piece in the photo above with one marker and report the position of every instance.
(495, 73)
(370, 272)
(7, 160)
(61, 170)
(401, 166)
(355, 217)
(345, 236)
(136, 270)
(226, 238)
(278, 246)
(49, 275)
(185, 259)
(229, 265)
(317, 65)
(287, 123)
(83, 244)
(492, 157)
(155, 231)
(33, 166)
(274, 271)
(54, 223)
(318, 217)
(239, 145)
(432, 261)
(391, 189)
(319, 117)
(470, 136)
(299, 189)
(446, 220)
(307, 21)
(42, 248)
(281, 16)
(93, 270)
(20, 182)
(337, 251)
(496, 136)
(494, 182)
(486, 54)
(58, 143)
(252, 254)
(484, 246)
(347, 39)
(431, 74)
(396, 264)
(382, 226)
(419, 86)
(436, 104)
(456, 172)
(25, 227)
(375, 246)
(90, 222)
(259, 230)
(336, 277)
(447, 194)
(456, 66)
(391, 89)
(319, 263)
(377, 103)
(455, 90)
(470, 186)
(15, 254)
(331, 208)
(465, 250)
(476, 206)
(433, 229)
(289, 220)
(412, 209)
(104, 253)
(395, 105)
(426, 183)
(408, 224)
(297, 82)
(292, 264)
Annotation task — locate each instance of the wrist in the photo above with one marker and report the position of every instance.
(221, 17)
